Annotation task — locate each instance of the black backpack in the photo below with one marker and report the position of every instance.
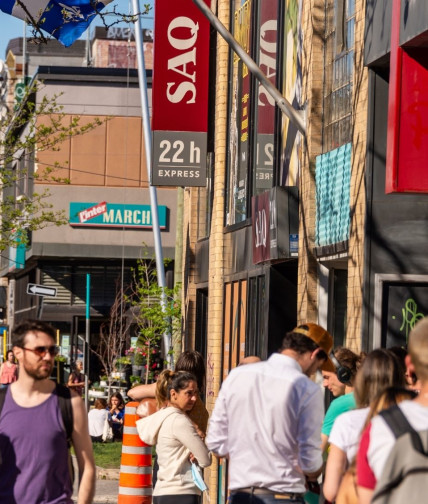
(64, 400)
(405, 474)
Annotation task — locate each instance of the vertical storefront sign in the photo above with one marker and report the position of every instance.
(292, 91)
(180, 94)
(261, 227)
(268, 32)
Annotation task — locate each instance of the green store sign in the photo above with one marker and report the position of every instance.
(114, 215)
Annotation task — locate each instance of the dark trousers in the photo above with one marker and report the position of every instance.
(248, 498)
(177, 499)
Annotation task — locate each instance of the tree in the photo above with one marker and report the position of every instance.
(152, 316)
(36, 125)
(113, 335)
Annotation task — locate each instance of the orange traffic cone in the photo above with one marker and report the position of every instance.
(135, 479)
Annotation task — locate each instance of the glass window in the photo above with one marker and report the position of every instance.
(339, 67)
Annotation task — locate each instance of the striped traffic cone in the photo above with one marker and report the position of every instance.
(135, 479)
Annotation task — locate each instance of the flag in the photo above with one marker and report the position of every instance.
(65, 20)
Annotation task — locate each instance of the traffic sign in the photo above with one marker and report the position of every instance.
(41, 290)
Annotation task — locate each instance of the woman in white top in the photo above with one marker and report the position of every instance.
(380, 369)
(96, 419)
(176, 439)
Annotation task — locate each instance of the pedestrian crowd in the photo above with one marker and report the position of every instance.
(268, 421)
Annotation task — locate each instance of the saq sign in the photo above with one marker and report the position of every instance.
(180, 94)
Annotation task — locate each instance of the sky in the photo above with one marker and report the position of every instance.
(11, 27)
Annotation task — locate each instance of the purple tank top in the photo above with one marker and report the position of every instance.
(33, 454)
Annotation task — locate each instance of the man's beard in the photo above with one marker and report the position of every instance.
(39, 373)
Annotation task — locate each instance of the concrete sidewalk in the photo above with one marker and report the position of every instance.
(107, 485)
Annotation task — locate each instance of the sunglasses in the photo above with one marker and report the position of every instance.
(41, 351)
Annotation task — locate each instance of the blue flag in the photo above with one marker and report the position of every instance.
(65, 20)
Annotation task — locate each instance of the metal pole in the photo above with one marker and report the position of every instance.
(86, 347)
(297, 117)
(148, 150)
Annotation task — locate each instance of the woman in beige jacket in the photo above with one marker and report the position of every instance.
(176, 439)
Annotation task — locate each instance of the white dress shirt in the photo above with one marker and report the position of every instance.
(267, 419)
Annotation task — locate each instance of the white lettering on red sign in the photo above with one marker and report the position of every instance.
(176, 92)
(90, 213)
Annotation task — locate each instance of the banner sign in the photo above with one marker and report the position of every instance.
(114, 215)
(180, 94)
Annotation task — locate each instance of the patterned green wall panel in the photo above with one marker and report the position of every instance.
(333, 177)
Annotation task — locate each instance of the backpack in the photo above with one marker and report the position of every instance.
(64, 401)
(405, 474)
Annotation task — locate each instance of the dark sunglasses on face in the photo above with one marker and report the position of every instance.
(41, 351)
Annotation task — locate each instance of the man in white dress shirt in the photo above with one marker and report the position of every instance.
(267, 420)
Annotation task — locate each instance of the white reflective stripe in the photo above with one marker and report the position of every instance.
(130, 410)
(130, 430)
(136, 469)
(135, 491)
(145, 450)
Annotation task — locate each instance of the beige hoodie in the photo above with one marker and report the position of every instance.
(175, 438)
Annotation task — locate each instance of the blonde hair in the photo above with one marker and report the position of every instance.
(162, 387)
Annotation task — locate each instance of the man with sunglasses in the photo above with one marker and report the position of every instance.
(267, 420)
(34, 462)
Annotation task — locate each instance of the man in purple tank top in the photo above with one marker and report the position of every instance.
(33, 442)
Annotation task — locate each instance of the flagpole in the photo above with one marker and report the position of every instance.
(148, 152)
(297, 117)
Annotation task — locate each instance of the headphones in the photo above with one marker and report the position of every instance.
(344, 374)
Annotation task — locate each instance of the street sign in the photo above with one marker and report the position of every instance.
(41, 290)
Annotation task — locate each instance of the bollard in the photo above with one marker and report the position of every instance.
(135, 479)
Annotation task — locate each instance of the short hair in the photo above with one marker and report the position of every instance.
(171, 380)
(192, 362)
(380, 369)
(300, 344)
(20, 331)
(418, 348)
(100, 403)
(347, 358)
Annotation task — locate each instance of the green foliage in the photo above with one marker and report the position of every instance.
(156, 310)
(37, 125)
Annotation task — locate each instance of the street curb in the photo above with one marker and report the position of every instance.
(107, 474)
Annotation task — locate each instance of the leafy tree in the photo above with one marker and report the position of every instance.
(155, 311)
(113, 335)
(36, 125)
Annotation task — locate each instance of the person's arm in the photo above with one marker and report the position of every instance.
(364, 495)
(70, 383)
(324, 442)
(142, 392)
(335, 469)
(187, 435)
(83, 449)
(308, 434)
(217, 436)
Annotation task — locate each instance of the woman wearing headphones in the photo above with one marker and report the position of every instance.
(340, 382)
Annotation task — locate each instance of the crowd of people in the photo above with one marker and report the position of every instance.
(268, 421)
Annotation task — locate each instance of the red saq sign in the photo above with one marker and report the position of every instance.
(181, 67)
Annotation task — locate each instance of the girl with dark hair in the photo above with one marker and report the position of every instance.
(380, 369)
(192, 362)
(116, 412)
(177, 442)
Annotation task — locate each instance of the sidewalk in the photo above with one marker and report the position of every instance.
(107, 485)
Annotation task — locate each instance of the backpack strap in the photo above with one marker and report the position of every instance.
(399, 425)
(2, 397)
(64, 400)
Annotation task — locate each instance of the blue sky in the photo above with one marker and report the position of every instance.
(11, 27)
